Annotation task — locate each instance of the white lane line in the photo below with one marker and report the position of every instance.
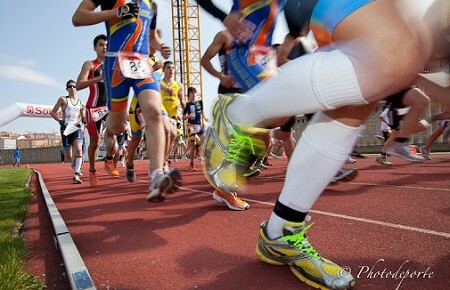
(386, 224)
(376, 184)
(402, 186)
(381, 223)
(363, 220)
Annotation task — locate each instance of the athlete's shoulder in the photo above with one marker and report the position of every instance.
(88, 64)
(63, 99)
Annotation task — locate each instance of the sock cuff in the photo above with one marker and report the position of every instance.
(288, 214)
(335, 80)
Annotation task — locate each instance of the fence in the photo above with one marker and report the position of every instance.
(33, 155)
(369, 144)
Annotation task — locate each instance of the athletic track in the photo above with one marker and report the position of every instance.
(390, 218)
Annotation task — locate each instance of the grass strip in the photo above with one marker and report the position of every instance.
(15, 195)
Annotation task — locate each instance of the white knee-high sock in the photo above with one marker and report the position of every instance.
(312, 83)
(78, 162)
(324, 146)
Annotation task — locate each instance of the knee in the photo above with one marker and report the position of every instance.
(417, 99)
(115, 127)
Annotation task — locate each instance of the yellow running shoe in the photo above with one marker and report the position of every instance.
(383, 160)
(111, 168)
(294, 250)
(231, 200)
(228, 148)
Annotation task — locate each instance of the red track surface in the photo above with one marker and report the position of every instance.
(398, 216)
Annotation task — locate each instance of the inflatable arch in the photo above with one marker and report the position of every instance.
(18, 110)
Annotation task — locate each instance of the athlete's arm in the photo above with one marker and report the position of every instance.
(59, 104)
(85, 14)
(285, 49)
(185, 114)
(82, 113)
(83, 80)
(156, 43)
(219, 41)
(212, 9)
(204, 117)
(181, 97)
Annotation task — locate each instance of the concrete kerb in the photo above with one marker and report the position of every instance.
(77, 272)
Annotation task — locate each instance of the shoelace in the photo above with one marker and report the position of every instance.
(238, 143)
(299, 240)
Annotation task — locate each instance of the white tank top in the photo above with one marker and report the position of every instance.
(72, 112)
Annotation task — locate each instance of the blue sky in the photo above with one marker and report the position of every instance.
(41, 50)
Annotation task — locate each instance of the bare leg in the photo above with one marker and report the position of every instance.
(92, 150)
(150, 102)
(436, 133)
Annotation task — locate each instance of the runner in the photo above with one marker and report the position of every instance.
(194, 113)
(71, 127)
(172, 95)
(131, 30)
(332, 79)
(243, 65)
(96, 110)
(405, 109)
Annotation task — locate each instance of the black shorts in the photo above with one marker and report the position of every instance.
(287, 127)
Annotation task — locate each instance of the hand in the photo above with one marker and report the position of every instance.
(98, 78)
(169, 91)
(128, 11)
(240, 29)
(165, 51)
(157, 65)
(227, 81)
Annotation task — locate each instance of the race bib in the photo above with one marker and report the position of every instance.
(134, 65)
(140, 117)
(98, 113)
(194, 129)
(266, 57)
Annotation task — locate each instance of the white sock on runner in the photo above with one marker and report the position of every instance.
(78, 162)
(312, 83)
(324, 146)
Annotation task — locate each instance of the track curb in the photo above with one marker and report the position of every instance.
(76, 270)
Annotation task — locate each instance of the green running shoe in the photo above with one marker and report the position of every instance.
(294, 250)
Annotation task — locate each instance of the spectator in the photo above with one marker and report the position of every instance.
(17, 156)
